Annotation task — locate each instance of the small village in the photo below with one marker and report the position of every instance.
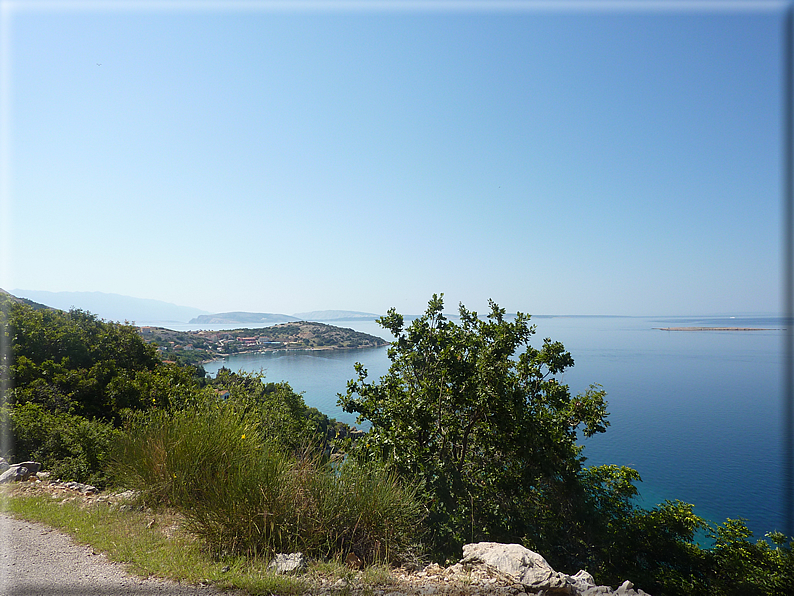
(195, 347)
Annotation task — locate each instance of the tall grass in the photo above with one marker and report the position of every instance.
(242, 492)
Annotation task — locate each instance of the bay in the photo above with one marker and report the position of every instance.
(697, 413)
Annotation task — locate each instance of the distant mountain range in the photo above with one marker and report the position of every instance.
(114, 307)
(144, 311)
(268, 317)
(335, 315)
(242, 317)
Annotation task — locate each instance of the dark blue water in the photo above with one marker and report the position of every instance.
(697, 413)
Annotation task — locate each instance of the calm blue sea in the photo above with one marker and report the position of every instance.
(697, 413)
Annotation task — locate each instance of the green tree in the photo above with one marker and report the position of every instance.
(482, 421)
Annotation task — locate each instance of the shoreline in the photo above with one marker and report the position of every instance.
(306, 349)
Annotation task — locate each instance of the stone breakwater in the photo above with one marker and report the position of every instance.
(486, 568)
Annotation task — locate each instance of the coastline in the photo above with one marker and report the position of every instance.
(305, 349)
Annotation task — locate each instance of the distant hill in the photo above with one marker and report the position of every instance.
(242, 317)
(34, 305)
(335, 315)
(114, 307)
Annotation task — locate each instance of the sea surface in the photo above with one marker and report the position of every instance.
(697, 413)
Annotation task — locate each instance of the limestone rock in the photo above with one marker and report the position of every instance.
(534, 574)
(525, 566)
(291, 563)
(582, 581)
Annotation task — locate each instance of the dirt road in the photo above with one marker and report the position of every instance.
(38, 561)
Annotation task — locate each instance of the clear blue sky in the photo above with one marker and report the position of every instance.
(612, 159)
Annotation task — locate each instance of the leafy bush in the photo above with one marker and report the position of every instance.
(70, 361)
(70, 447)
(490, 434)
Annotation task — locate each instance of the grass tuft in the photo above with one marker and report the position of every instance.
(244, 494)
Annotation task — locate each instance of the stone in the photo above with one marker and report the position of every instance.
(582, 581)
(625, 587)
(291, 563)
(19, 472)
(523, 565)
(4, 465)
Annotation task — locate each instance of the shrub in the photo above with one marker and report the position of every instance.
(70, 447)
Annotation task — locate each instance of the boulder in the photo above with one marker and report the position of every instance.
(523, 565)
(19, 472)
(291, 563)
(528, 568)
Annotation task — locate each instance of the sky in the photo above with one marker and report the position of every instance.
(558, 158)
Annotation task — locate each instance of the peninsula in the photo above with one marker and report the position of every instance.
(195, 347)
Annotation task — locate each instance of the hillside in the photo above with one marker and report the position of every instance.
(12, 298)
(114, 307)
(202, 346)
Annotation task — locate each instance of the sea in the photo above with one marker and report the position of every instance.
(698, 413)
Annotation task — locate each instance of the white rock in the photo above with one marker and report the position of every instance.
(582, 581)
(292, 563)
(525, 566)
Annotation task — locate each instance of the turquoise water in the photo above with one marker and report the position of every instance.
(697, 413)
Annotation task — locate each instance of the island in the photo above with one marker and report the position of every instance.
(196, 347)
(717, 329)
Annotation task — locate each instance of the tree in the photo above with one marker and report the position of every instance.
(482, 421)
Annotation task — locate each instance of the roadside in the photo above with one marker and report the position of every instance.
(37, 560)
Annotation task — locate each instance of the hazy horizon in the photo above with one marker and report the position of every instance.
(64, 300)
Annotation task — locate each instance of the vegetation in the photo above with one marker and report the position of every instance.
(474, 437)
(75, 379)
(242, 491)
(482, 422)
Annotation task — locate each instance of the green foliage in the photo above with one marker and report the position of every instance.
(70, 362)
(70, 447)
(491, 437)
(736, 566)
(241, 491)
(282, 412)
(468, 413)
